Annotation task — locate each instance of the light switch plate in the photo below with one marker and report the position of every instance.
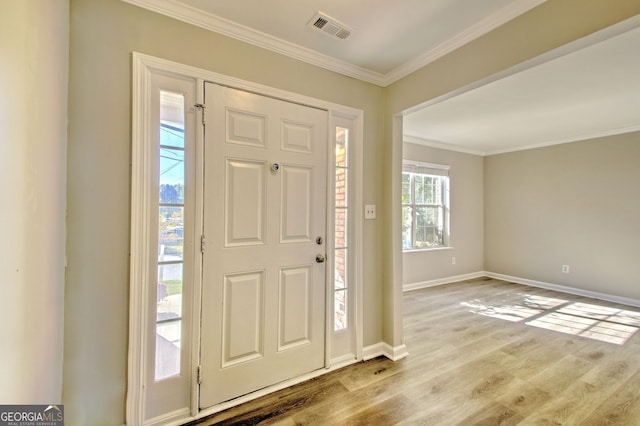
(370, 211)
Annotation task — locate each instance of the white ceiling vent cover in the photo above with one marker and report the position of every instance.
(330, 26)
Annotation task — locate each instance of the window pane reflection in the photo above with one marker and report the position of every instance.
(169, 293)
(341, 228)
(168, 349)
(171, 233)
(342, 138)
(341, 187)
(340, 269)
(340, 310)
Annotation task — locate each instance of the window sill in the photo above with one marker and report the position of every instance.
(420, 250)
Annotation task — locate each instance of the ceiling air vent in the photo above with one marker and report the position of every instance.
(329, 26)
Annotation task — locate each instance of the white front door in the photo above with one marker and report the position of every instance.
(263, 290)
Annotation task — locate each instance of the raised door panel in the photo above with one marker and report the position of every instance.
(242, 318)
(245, 208)
(246, 128)
(296, 137)
(295, 302)
(296, 211)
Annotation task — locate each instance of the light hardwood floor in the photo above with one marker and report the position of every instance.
(478, 356)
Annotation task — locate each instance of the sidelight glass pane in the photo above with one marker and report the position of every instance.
(340, 310)
(172, 134)
(172, 174)
(342, 140)
(170, 279)
(171, 193)
(171, 119)
(341, 187)
(340, 269)
(341, 199)
(341, 228)
(171, 233)
(169, 292)
(168, 337)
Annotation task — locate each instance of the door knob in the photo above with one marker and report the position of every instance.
(320, 258)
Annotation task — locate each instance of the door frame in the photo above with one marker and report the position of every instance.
(144, 66)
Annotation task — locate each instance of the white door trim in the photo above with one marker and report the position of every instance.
(143, 67)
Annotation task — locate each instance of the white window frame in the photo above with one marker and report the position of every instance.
(144, 224)
(431, 170)
(148, 80)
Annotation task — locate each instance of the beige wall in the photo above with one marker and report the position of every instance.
(466, 219)
(575, 204)
(103, 35)
(34, 47)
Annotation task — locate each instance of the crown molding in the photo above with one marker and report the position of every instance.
(208, 21)
(211, 22)
(575, 138)
(440, 145)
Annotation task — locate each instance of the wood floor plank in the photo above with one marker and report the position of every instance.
(523, 397)
(493, 416)
(371, 372)
(481, 352)
(622, 408)
(558, 377)
(358, 401)
(388, 412)
(580, 400)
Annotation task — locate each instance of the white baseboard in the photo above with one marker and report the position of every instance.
(382, 349)
(442, 281)
(525, 281)
(564, 289)
(370, 352)
(174, 418)
(343, 361)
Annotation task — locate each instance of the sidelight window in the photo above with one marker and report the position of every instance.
(341, 214)
(171, 213)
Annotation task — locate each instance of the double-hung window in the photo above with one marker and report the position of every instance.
(425, 205)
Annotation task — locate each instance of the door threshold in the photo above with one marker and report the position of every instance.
(270, 389)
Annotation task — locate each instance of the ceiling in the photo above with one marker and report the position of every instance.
(593, 90)
(587, 89)
(389, 39)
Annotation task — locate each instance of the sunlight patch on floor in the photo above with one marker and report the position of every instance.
(593, 321)
(529, 306)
